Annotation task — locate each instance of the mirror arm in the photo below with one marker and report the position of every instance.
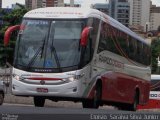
(8, 33)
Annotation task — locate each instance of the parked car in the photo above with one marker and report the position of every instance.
(1, 92)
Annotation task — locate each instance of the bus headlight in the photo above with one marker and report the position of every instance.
(74, 78)
(71, 79)
(17, 77)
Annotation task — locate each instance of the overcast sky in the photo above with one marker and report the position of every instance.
(7, 3)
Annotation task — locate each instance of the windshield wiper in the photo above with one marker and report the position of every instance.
(41, 48)
(56, 58)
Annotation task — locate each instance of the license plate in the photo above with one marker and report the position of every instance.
(42, 90)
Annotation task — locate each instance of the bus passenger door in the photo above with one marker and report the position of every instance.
(86, 57)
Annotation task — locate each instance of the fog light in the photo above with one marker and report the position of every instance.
(17, 77)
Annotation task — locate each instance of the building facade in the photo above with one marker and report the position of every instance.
(154, 17)
(119, 10)
(33, 4)
(102, 7)
(140, 14)
(28, 4)
(49, 3)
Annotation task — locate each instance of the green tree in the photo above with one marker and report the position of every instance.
(155, 47)
(13, 18)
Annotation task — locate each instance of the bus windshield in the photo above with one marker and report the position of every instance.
(48, 44)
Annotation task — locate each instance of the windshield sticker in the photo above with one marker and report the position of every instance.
(38, 23)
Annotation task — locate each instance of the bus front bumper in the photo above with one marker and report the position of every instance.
(71, 89)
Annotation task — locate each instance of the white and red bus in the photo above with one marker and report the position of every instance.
(78, 54)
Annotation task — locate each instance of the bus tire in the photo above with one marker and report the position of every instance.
(97, 97)
(96, 101)
(39, 101)
(87, 104)
(1, 98)
(133, 107)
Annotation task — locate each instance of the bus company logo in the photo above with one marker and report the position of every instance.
(111, 61)
(155, 95)
(42, 82)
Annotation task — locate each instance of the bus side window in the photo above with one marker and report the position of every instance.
(138, 52)
(107, 39)
(123, 42)
(132, 49)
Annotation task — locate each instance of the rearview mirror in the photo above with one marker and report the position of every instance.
(84, 36)
(8, 33)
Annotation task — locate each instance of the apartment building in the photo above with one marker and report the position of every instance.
(102, 7)
(33, 4)
(140, 14)
(48, 3)
(154, 17)
(119, 10)
(28, 4)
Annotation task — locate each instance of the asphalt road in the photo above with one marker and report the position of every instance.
(29, 112)
(31, 109)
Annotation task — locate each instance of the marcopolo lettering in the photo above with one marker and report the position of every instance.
(110, 61)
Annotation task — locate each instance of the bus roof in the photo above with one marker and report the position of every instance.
(74, 12)
(61, 12)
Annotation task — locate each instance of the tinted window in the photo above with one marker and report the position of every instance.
(119, 42)
(107, 39)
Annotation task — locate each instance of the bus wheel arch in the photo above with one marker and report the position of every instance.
(97, 94)
(133, 106)
(95, 102)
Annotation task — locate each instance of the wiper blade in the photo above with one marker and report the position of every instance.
(34, 58)
(36, 54)
(43, 46)
(56, 57)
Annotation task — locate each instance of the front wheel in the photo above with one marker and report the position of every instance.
(1, 98)
(95, 103)
(39, 101)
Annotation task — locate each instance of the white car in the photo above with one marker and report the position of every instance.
(1, 92)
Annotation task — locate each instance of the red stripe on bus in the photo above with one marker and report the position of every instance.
(44, 78)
